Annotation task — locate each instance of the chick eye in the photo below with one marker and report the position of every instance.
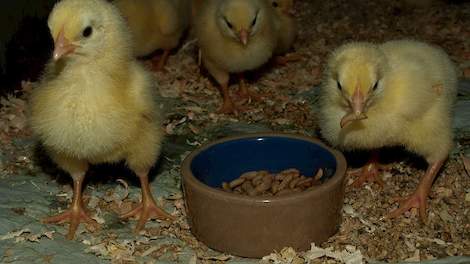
(254, 20)
(87, 32)
(229, 24)
(275, 4)
(339, 86)
(375, 86)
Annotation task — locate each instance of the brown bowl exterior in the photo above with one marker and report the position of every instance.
(256, 226)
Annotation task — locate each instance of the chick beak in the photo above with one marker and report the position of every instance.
(357, 102)
(357, 105)
(62, 46)
(243, 36)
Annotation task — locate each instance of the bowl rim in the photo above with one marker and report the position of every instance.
(188, 176)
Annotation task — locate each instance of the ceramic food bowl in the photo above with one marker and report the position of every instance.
(254, 226)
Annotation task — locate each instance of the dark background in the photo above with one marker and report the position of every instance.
(25, 43)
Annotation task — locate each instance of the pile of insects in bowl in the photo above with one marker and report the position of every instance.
(263, 183)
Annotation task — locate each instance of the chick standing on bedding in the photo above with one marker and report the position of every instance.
(287, 27)
(397, 93)
(156, 24)
(95, 104)
(234, 36)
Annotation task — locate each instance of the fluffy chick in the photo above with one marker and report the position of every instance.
(397, 93)
(286, 24)
(234, 36)
(156, 24)
(94, 103)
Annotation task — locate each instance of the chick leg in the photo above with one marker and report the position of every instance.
(228, 106)
(244, 92)
(159, 64)
(419, 198)
(76, 213)
(370, 172)
(147, 209)
(222, 77)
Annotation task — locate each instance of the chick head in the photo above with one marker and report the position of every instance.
(354, 74)
(284, 6)
(84, 29)
(240, 19)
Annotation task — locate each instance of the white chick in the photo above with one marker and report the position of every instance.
(397, 93)
(95, 104)
(156, 24)
(234, 36)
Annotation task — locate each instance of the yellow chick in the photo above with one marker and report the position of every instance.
(397, 93)
(286, 23)
(156, 24)
(234, 36)
(95, 104)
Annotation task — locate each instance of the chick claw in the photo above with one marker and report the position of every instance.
(146, 211)
(369, 173)
(416, 200)
(75, 216)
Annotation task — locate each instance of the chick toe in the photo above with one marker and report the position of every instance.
(76, 212)
(148, 208)
(416, 200)
(75, 215)
(369, 173)
(419, 198)
(146, 211)
(228, 107)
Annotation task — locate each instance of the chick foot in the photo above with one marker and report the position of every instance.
(228, 107)
(75, 216)
(419, 198)
(416, 200)
(76, 213)
(147, 209)
(369, 173)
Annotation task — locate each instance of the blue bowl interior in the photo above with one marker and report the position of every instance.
(227, 161)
